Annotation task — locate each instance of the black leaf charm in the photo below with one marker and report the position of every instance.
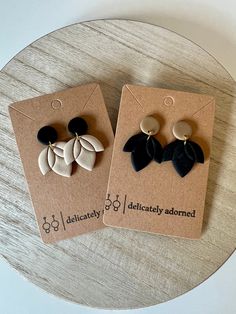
(183, 152)
(183, 155)
(143, 150)
(134, 141)
(154, 149)
(182, 163)
(168, 151)
(194, 152)
(143, 146)
(139, 157)
(189, 151)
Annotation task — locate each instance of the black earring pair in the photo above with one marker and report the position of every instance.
(59, 156)
(144, 147)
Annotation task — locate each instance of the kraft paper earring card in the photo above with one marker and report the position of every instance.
(68, 199)
(157, 198)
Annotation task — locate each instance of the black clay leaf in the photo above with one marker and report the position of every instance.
(150, 148)
(199, 155)
(134, 141)
(169, 149)
(158, 150)
(154, 149)
(181, 162)
(190, 151)
(139, 157)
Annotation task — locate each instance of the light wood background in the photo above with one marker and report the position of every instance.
(115, 268)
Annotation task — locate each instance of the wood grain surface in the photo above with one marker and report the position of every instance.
(115, 268)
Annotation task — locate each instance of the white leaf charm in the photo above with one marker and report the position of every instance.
(97, 145)
(51, 158)
(83, 150)
(86, 159)
(59, 151)
(69, 151)
(86, 144)
(61, 168)
(43, 161)
(76, 149)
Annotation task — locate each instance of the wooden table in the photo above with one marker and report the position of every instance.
(114, 268)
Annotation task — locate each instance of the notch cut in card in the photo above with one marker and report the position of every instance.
(65, 206)
(156, 199)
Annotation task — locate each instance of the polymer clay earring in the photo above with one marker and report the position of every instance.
(183, 152)
(52, 157)
(83, 147)
(144, 147)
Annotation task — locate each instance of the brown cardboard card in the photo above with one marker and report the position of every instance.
(64, 206)
(156, 199)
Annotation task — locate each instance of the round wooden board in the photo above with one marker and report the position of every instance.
(115, 268)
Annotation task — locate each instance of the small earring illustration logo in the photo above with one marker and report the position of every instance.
(116, 203)
(55, 223)
(108, 202)
(47, 226)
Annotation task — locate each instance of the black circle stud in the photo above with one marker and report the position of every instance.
(78, 126)
(46, 135)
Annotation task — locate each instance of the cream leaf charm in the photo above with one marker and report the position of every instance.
(93, 141)
(69, 151)
(83, 150)
(86, 159)
(52, 158)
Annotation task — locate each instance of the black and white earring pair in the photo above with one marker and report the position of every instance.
(144, 147)
(59, 156)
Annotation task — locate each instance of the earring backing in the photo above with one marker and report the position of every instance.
(51, 157)
(144, 147)
(183, 152)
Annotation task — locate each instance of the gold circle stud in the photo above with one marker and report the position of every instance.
(149, 125)
(182, 130)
